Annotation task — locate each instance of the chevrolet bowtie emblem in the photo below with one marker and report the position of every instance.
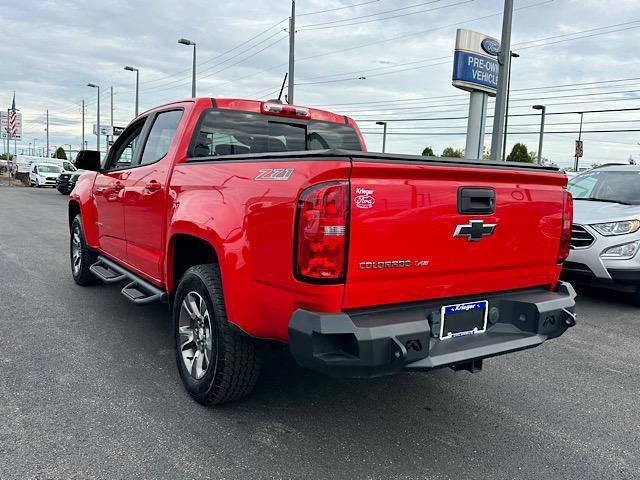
(474, 230)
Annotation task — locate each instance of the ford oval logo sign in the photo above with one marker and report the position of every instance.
(491, 46)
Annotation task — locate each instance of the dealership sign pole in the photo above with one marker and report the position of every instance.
(475, 69)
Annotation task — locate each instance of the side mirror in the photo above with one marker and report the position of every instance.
(88, 160)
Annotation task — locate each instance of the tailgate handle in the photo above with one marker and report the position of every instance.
(476, 201)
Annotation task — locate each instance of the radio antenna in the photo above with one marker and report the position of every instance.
(282, 88)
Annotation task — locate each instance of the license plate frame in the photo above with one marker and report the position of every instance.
(464, 313)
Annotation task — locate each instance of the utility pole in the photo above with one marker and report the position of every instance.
(504, 61)
(292, 51)
(111, 136)
(47, 133)
(578, 154)
(82, 144)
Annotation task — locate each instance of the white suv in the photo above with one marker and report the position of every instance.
(44, 175)
(606, 233)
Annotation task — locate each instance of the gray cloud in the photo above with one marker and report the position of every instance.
(57, 46)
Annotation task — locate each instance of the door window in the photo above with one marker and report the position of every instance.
(68, 166)
(160, 137)
(124, 151)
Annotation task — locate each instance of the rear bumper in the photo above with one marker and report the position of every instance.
(388, 340)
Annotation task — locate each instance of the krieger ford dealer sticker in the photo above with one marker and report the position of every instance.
(364, 198)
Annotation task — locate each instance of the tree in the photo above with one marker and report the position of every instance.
(519, 153)
(60, 153)
(452, 153)
(428, 152)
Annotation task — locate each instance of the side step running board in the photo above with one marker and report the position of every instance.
(139, 291)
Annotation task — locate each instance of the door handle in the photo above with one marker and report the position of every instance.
(476, 201)
(118, 186)
(153, 186)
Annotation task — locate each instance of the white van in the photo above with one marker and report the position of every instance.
(44, 174)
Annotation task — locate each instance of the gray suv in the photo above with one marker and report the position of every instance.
(606, 232)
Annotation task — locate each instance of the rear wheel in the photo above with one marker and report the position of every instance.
(216, 363)
(82, 257)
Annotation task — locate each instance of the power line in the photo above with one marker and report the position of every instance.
(334, 24)
(438, 134)
(336, 9)
(572, 112)
(220, 55)
(396, 100)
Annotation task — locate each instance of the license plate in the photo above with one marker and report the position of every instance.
(463, 319)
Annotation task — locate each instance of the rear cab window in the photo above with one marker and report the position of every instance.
(229, 132)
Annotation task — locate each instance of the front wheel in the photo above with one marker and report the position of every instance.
(82, 257)
(216, 364)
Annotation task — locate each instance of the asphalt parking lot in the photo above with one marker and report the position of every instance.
(89, 389)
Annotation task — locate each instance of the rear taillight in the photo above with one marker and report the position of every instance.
(321, 233)
(567, 221)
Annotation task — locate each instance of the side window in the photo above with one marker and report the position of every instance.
(160, 137)
(35, 169)
(68, 167)
(125, 148)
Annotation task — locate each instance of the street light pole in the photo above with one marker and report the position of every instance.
(384, 135)
(47, 133)
(292, 51)
(504, 60)
(82, 146)
(133, 69)
(111, 118)
(186, 41)
(543, 112)
(506, 115)
(93, 85)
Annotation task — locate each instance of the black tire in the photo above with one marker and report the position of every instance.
(82, 275)
(234, 361)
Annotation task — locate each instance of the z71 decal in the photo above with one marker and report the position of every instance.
(274, 174)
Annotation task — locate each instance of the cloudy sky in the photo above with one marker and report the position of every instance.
(576, 55)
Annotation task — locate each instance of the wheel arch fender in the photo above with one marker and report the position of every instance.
(189, 244)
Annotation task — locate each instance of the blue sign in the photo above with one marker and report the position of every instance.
(477, 71)
(491, 46)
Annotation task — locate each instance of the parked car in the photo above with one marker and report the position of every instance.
(43, 175)
(266, 224)
(606, 232)
(67, 180)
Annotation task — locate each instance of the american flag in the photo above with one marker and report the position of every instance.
(13, 121)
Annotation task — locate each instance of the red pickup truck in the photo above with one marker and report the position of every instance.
(265, 224)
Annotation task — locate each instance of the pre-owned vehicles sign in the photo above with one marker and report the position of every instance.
(475, 64)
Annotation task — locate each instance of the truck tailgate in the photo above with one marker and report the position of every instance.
(403, 245)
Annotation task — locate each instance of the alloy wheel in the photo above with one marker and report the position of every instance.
(76, 250)
(195, 336)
